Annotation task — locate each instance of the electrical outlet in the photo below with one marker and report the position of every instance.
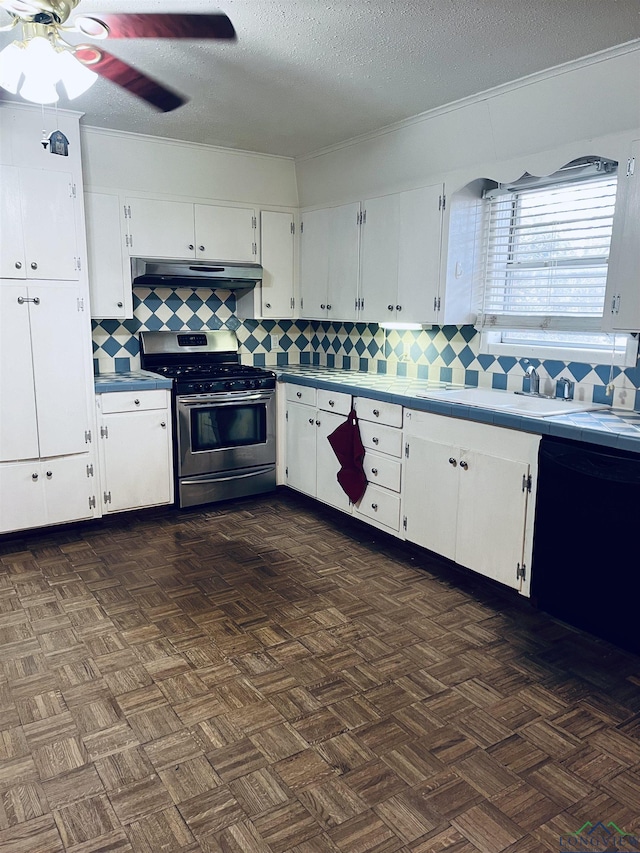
(275, 342)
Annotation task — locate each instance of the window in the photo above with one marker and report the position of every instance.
(547, 252)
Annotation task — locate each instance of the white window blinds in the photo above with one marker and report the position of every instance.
(547, 253)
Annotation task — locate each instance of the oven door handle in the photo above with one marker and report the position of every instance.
(188, 481)
(226, 400)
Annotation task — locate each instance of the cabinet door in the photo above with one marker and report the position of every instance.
(225, 233)
(431, 484)
(111, 292)
(420, 224)
(344, 248)
(491, 515)
(623, 292)
(60, 359)
(314, 264)
(160, 229)
(22, 503)
(301, 448)
(136, 456)
(327, 466)
(18, 425)
(49, 225)
(12, 262)
(380, 246)
(277, 239)
(67, 488)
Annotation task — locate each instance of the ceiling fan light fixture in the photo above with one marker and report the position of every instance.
(11, 67)
(40, 70)
(75, 77)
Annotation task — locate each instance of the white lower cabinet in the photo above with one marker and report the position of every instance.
(43, 492)
(381, 433)
(136, 465)
(312, 466)
(469, 494)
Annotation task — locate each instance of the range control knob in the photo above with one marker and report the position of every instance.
(228, 385)
(197, 386)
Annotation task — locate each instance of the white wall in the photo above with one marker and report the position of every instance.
(589, 107)
(148, 164)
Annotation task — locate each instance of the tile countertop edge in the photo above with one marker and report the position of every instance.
(559, 426)
(138, 380)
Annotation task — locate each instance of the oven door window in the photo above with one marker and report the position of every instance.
(219, 427)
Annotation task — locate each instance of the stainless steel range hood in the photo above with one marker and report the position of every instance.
(222, 274)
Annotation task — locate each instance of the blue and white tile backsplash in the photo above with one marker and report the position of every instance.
(447, 353)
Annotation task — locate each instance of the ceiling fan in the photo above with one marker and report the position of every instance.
(35, 64)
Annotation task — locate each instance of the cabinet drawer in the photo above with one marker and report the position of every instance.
(379, 412)
(301, 394)
(384, 439)
(383, 471)
(380, 505)
(132, 401)
(332, 401)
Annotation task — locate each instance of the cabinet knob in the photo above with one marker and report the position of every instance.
(323, 306)
(49, 475)
(464, 465)
(120, 304)
(34, 265)
(311, 420)
(34, 477)
(332, 403)
(317, 423)
(18, 265)
(298, 394)
(163, 424)
(375, 440)
(390, 307)
(374, 471)
(328, 307)
(191, 247)
(452, 461)
(398, 307)
(376, 412)
(374, 507)
(137, 402)
(201, 248)
(267, 305)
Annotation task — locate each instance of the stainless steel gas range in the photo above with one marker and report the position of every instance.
(225, 416)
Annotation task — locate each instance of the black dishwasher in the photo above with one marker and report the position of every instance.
(586, 553)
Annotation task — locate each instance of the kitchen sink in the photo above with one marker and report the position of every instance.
(507, 401)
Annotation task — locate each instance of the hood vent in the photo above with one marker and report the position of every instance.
(215, 274)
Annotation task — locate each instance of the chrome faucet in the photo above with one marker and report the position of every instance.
(534, 379)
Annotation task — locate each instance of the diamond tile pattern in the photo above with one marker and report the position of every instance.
(447, 353)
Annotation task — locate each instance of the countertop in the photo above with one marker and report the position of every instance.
(134, 380)
(618, 428)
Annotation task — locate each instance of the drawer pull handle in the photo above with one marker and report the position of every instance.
(376, 412)
(375, 440)
(49, 475)
(390, 307)
(191, 247)
(317, 423)
(201, 248)
(332, 402)
(398, 307)
(452, 461)
(137, 402)
(34, 477)
(34, 265)
(329, 307)
(267, 305)
(298, 394)
(374, 471)
(18, 265)
(310, 420)
(374, 507)
(464, 465)
(323, 306)
(120, 304)
(163, 424)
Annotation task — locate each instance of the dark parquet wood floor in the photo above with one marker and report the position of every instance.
(269, 676)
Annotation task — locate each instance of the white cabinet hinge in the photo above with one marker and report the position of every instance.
(521, 572)
(77, 264)
(301, 227)
(80, 303)
(286, 471)
(128, 240)
(292, 303)
(106, 497)
(361, 217)
(526, 483)
(127, 211)
(87, 436)
(404, 522)
(286, 416)
(293, 228)
(406, 450)
(89, 470)
(254, 222)
(254, 248)
(73, 191)
(104, 432)
(631, 166)
(301, 302)
(92, 502)
(444, 201)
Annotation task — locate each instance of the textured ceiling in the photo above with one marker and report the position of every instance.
(305, 74)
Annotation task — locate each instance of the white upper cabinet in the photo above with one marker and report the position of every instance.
(329, 249)
(622, 300)
(181, 230)
(400, 268)
(38, 237)
(108, 266)
(275, 296)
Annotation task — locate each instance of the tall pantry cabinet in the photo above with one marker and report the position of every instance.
(46, 379)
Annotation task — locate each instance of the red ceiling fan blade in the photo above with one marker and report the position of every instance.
(134, 81)
(169, 26)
